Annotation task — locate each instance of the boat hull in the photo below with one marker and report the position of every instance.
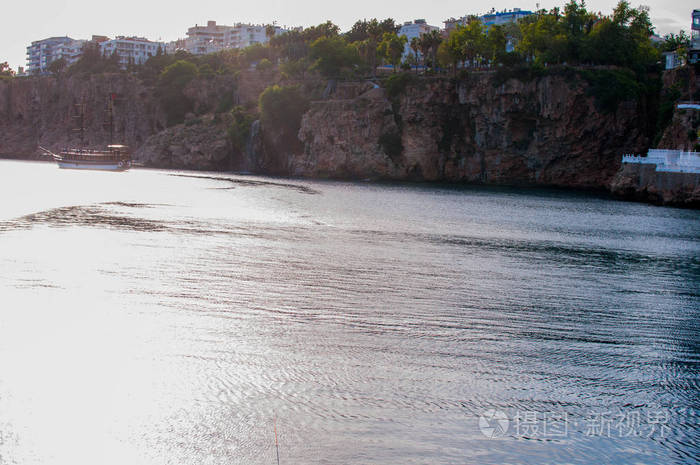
(97, 165)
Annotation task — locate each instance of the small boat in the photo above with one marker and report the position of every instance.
(115, 157)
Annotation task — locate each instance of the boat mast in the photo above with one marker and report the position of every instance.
(80, 116)
(109, 119)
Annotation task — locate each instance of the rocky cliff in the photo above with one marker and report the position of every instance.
(545, 131)
(680, 132)
(38, 111)
(201, 143)
(643, 183)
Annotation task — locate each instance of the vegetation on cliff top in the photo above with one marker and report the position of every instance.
(283, 107)
(615, 50)
(170, 90)
(6, 72)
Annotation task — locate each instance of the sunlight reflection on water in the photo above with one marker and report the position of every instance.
(158, 317)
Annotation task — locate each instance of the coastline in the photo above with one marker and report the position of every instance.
(516, 188)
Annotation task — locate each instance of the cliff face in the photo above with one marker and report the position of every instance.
(543, 131)
(198, 144)
(39, 111)
(644, 183)
(681, 133)
(547, 131)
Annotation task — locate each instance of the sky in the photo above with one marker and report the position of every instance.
(26, 21)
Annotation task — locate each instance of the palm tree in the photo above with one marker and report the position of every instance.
(429, 43)
(270, 31)
(415, 46)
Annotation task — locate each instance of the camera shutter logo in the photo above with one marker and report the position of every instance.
(494, 424)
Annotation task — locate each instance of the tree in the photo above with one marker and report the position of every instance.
(254, 53)
(295, 68)
(264, 65)
(392, 47)
(496, 43)
(93, 62)
(171, 84)
(281, 109)
(291, 45)
(333, 55)
(673, 42)
(270, 31)
(361, 30)
(327, 29)
(239, 130)
(367, 35)
(474, 42)
(56, 67)
(415, 46)
(429, 43)
(445, 57)
(5, 71)
(454, 49)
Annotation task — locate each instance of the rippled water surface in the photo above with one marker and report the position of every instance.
(155, 317)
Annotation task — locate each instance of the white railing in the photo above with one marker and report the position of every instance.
(668, 161)
(688, 106)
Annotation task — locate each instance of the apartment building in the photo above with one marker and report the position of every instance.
(215, 37)
(41, 53)
(414, 29)
(131, 50)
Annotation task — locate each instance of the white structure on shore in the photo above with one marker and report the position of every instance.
(412, 30)
(41, 53)
(131, 50)
(216, 37)
(245, 35)
(669, 161)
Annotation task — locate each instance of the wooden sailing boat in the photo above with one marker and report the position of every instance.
(115, 157)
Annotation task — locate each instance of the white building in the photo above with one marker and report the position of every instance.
(176, 45)
(672, 60)
(214, 37)
(131, 50)
(490, 19)
(499, 18)
(412, 30)
(245, 35)
(669, 161)
(207, 39)
(42, 52)
(694, 52)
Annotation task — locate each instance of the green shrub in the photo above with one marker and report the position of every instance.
(612, 87)
(333, 56)
(523, 73)
(264, 65)
(396, 84)
(239, 130)
(667, 106)
(226, 103)
(171, 84)
(282, 108)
